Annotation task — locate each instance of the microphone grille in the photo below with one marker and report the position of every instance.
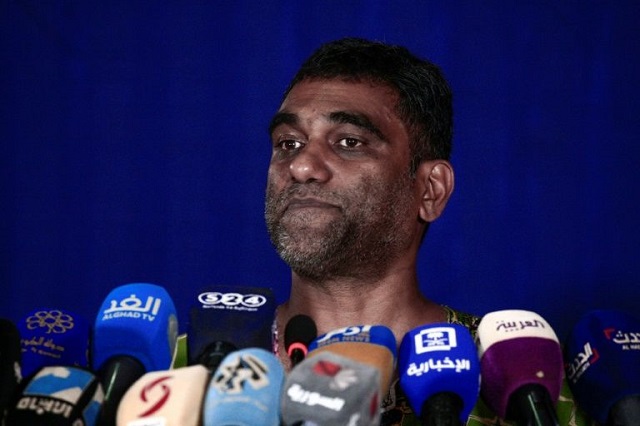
(300, 328)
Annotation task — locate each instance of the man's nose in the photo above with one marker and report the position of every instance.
(310, 164)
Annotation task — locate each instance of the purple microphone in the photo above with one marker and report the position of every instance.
(521, 366)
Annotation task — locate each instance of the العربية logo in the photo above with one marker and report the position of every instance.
(235, 374)
(54, 321)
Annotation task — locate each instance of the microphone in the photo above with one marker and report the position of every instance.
(10, 372)
(225, 319)
(53, 337)
(440, 373)
(602, 363)
(521, 366)
(374, 345)
(245, 390)
(57, 396)
(135, 332)
(299, 332)
(171, 397)
(331, 389)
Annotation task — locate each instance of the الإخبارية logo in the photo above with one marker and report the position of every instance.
(435, 339)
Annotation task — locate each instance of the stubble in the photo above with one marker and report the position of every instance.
(369, 231)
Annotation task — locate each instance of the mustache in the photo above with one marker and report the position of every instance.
(298, 190)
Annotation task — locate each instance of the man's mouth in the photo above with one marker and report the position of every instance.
(297, 204)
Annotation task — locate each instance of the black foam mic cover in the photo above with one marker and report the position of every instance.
(10, 374)
(299, 332)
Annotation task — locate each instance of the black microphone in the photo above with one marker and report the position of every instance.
(299, 332)
(57, 396)
(10, 373)
(225, 319)
(521, 367)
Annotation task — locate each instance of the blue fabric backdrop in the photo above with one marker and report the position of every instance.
(134, 147)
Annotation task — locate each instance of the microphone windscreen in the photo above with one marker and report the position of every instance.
(517, 348)
(136, 320)
(602, 360)
(439, 358)
(330, 389)
(299, 332)
(240, 316)
(369, 344)
(10, 371)
(170, 397)
(53, 337)
(57, 396)
(245, 390)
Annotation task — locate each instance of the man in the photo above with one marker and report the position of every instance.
(359, 169)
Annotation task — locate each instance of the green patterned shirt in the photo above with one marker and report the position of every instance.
(397, 412)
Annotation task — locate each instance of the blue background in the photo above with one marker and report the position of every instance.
(134, 147)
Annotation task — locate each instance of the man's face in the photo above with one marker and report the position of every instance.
(340, 200)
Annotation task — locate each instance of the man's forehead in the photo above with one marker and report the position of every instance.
(343, 85)
(332, 100)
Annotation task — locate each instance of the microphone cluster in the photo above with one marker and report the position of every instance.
(57, 369)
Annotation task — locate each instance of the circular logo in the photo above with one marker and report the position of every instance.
(54, 321)
(155, 394)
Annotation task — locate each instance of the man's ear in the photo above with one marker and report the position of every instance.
(437, 181)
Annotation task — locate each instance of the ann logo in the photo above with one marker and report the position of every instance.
(243, 370)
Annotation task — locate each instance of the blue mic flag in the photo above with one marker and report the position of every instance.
(439, 358)
(245, 390)
(602, 360)
(138, 320)
(53, 337)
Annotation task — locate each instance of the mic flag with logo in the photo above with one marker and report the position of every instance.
(331, 389)
(135, 332)
(53, 337)
(171, 397)
(440, 372)
(245, 390)
(225, 318)
(57, 396)
(602, 362)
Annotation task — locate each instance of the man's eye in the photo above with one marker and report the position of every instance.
(289, 144)
(349, 142)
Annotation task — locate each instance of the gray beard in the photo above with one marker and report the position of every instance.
(360, 245)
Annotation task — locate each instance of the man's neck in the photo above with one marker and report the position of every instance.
(395, 302)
